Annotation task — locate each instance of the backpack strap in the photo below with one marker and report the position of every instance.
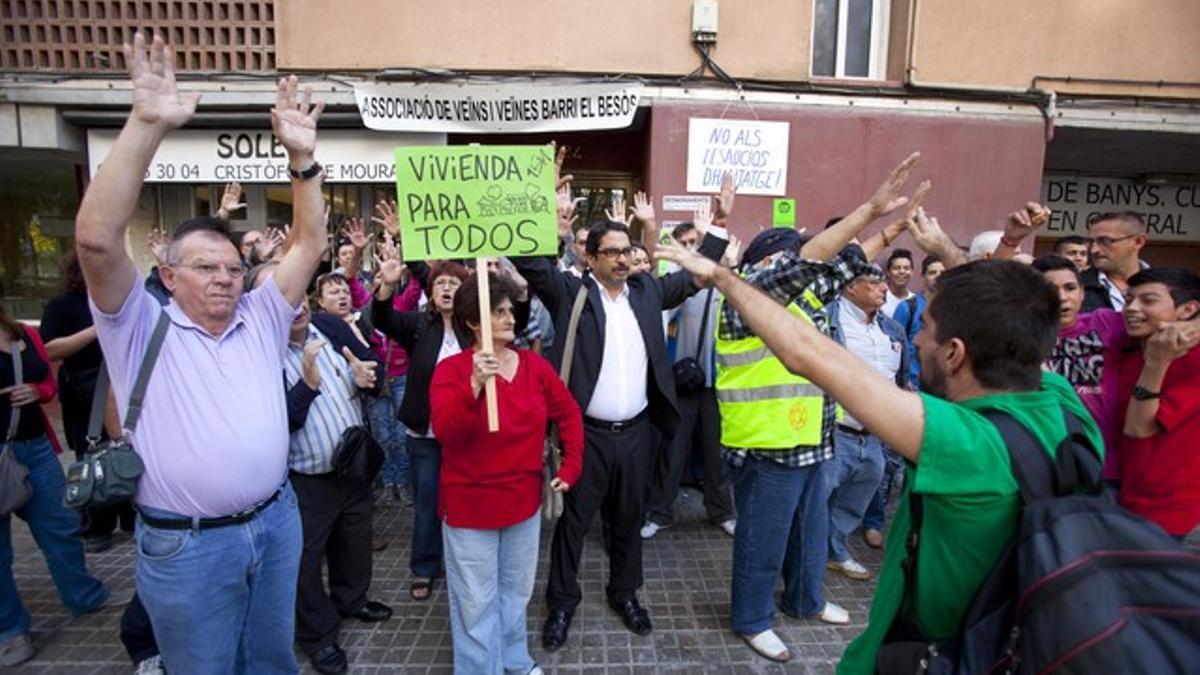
(912, 315)
(1076, 466)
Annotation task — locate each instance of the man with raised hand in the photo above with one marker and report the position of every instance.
(777, 429)
(971, 361)
(218, 536)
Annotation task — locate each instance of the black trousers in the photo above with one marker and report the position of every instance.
(337, 531)
(616, 468)
(699, 430)
(137, 635)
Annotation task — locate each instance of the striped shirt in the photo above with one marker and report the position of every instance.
(336, 408)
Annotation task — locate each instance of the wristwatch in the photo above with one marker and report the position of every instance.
(1143, 394)
(307, 173)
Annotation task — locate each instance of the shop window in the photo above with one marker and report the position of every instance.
(37, 223)
(850, 38)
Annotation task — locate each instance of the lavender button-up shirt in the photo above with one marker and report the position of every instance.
(213, 431)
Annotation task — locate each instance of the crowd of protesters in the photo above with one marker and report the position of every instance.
(790, 369)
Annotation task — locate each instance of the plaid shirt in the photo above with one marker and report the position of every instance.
(786, 281)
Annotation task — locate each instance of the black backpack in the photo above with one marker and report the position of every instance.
(1083, 586)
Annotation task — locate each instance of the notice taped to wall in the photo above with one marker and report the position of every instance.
(755, 152)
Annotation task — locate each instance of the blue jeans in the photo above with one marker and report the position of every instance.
(223, 600)
(783, 524)
(876, 514)
(489, 576)
(425, 461)
(389, 432)
(852, 479)
(55, 528)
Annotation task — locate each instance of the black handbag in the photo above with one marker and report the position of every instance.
(109, 471)
(689, 375)
(15, 490)
(357, 457)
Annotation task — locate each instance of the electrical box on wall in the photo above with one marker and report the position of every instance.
(704, 20)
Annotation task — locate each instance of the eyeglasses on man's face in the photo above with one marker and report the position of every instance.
(209, 270)
(614, 253)
(1107, 242)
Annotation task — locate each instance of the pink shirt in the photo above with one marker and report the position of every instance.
(390, 351)
(213, 432)
(1088, 355)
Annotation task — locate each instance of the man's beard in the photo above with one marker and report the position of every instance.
(932, 378)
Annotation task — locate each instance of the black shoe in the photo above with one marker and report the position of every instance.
(633, 615)
(97, 544)
(373, 612)
(554, 631)
(330, 660)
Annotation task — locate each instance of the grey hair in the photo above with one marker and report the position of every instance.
(984, 244)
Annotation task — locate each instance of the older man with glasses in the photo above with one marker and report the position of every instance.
(1117, 238)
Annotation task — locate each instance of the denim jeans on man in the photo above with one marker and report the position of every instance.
(851, 479)
(389, 431)
(234, 585)
(425, 464)
(55, 528)
(783, 525)
(876, 515)
(489, 576)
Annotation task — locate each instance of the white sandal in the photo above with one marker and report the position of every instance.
(768, 645)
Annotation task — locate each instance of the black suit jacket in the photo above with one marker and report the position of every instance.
(648, 297)
(1095, 295)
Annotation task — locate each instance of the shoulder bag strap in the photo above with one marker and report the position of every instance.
(912, 315)
(564, 370)
(99, 398)
(14, 416)
(138, 396)
(704, 324)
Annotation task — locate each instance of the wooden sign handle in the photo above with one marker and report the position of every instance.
(485, 326)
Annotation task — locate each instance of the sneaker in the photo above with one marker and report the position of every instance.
(850, 568)
(150, 666)
(536, 670)
(651, 528)
(834, 614)
(17, 650)
(729, 526)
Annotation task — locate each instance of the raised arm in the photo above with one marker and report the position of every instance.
(932, 239)
(294, 121)
(1019, 225)
(895, 415)
(112, 196)
(1172, 341)
(887, 198)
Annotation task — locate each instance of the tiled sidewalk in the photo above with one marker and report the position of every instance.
(687, 592)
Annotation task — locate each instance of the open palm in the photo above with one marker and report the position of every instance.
(156, 100)
(294, 119)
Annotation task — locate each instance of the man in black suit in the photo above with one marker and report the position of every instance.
(622, 379)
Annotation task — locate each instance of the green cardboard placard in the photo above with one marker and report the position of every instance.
(784, 213)
(472, 201)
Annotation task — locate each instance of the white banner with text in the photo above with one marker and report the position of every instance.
(256, 156)
(1171, 209)
(755, 152)
(506, 107)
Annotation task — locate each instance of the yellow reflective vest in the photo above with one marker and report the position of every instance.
(763, 406)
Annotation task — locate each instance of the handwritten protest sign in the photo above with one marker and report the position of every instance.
(476, 201)
(755, 152)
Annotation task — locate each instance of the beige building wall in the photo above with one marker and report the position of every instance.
(1007, 44)
(758, 38)
(973, 43)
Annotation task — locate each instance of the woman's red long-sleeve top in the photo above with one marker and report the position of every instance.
(494, 480)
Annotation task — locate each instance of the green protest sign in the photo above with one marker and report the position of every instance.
(474, 201)
(784, 213)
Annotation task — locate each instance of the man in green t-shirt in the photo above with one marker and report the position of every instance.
(971, 360)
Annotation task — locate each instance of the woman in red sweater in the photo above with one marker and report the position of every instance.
(491, 483)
